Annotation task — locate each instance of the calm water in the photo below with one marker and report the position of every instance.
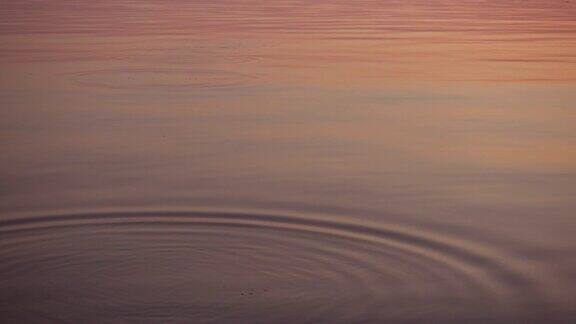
(288, 161)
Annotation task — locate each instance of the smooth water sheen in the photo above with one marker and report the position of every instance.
(288, 161)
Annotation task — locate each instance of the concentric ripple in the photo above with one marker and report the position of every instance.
(161, 79)
(221, 267)
(195, 57)
(202, 53)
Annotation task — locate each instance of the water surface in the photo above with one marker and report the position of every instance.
(290, 161)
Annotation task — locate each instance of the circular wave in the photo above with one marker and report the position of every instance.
(197, 56)
(216, 267)
(164, 79)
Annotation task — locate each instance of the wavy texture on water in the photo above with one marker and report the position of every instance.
(341, 18)
(447, 40)
(331, 107)
(160, 79)
(227, 267)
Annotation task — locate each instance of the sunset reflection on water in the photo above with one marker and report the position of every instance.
(249, 161)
